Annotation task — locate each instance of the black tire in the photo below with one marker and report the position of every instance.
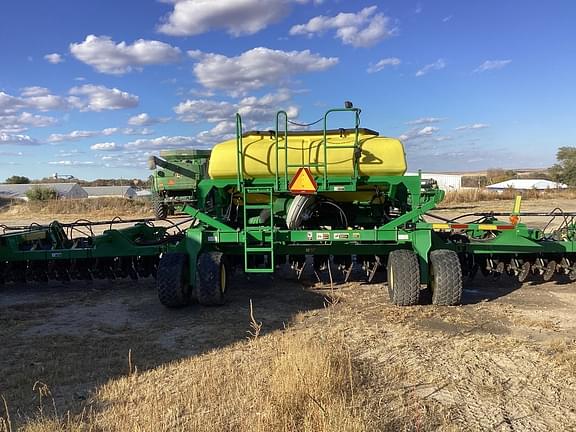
(212, 274)
(160, 209)
(445, 278)
(172, 280)
(403, 277)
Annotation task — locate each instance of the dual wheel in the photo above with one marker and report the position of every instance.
(209, 287)
(404, 277)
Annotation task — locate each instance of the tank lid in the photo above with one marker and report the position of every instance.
(339, 132)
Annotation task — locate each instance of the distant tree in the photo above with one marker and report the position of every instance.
(497, 175)
(18, 180)
(41, 193)
(564, 170)
(545, 175)
(474, 181)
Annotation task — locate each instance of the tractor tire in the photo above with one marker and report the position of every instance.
(212, 274)
(445, 278)
(403, 277)
(299, 210)
(172, 280)
(160, 209)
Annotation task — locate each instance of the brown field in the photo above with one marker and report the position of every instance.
(106, 356)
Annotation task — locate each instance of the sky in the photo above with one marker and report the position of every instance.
(92, 88)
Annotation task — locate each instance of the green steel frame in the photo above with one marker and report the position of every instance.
(479, 242)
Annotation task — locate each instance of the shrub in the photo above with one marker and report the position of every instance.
(41, 193)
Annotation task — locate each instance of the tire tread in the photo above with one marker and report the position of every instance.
(406, 291)
(208, 290)
(171, 281)
(448, 273)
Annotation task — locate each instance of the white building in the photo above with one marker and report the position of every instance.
(446, 182)
(64, 190)
(526, 184)
(110, 191)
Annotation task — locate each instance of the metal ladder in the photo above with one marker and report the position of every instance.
(258, 238)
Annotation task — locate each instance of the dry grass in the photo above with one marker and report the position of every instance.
(92, 206)
(475, 195)
(563, 353)
(288, 383)
(291, 381)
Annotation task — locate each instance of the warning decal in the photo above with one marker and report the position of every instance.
(303, 182)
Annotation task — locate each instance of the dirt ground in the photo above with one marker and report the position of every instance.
(505, 360)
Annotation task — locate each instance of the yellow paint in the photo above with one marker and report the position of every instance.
(303, 182)
(487, 227)
(517, 204)
(440, 226)
(379, 156)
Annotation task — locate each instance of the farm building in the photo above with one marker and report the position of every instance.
(526, 184)
(144, 193)
(110, 191)
(64, 190)
(446, 182)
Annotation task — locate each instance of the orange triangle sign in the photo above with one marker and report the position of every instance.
(303, 182)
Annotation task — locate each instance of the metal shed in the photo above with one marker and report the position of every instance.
(526, 184)
(446, 182)
(110, 192)
(64, 190)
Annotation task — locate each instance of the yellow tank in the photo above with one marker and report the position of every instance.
(379, 155)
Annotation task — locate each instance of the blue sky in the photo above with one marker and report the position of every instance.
(92, 88)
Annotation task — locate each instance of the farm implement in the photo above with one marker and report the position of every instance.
(332, 199)
(73, 251)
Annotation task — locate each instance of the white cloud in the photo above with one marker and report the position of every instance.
(418, 132)
(9, 139)
(254, 110)
(72, 136)
(162, 142)
(473, 126)
(106, 146)
(425, 120)
(205, 110)
(109, 158)
(427, 131)
(99, 98)
(20, 122)
(34, 91)
(41, 99)
(492, 65)
(437, 65)
(237, 17)
(256, 68)
(71, 163)
(53, 58)
(10, 104)
(132, 131)
(106, 56)
(362, 29)
(384, 63)
(447, 18)
(78, 135)
(144, 119)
